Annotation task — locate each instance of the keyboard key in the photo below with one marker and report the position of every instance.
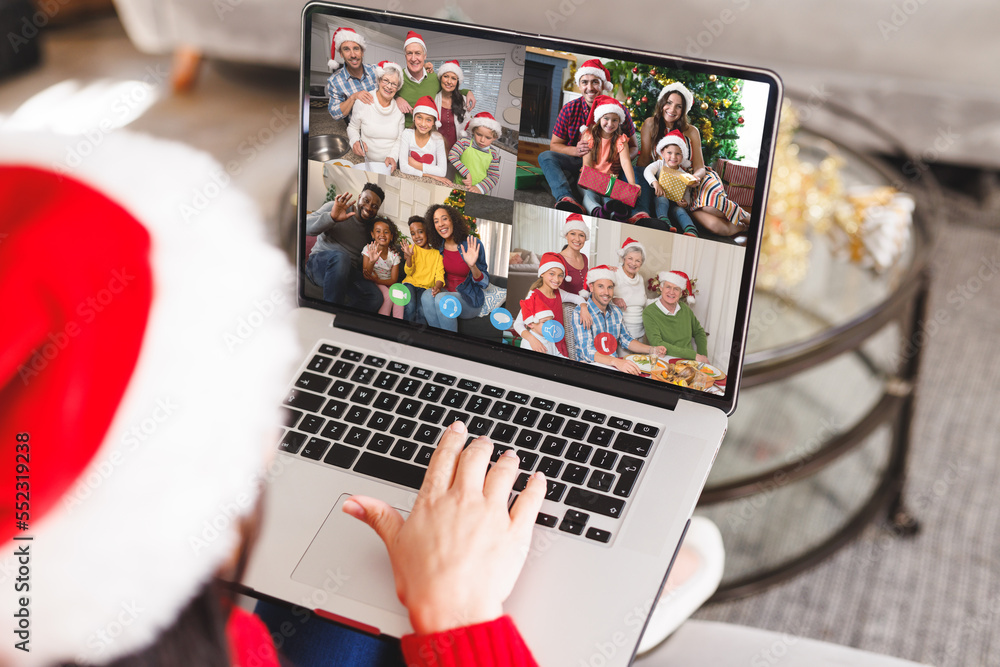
(409, 387)
(574, 522)
(421, 373)
(403, 427)
(632, 444)
(427, 434)
(331, 350)
(543, 404)
(319, 363)
(380, 421)
(575, 474)
(404, 449)
(553, 445)
(454, 399)
(550, 467)
(601, 481)
(628, 472)
(522, 481)
(385, 380)
(357, 436)
(424, 455)
(468, 385)
(341, 389)
(291, 442)
(600, 436)
(431, 392)
(397, 367)
(357, 414)
(380, 443)
(385, 401)
(341, 369)
(408, 407)
(303, 400)
(363, 395)
(619, 423)
(313, 382)
(341, 456)
(334, 409)
(498, 450)
(579, 452)
(432, 413)
(517, 397)
(334, 430)
(551, 423)
(480, 425)
(290, 417)
(315, 448)
(599, 535)
(604, 458)
(568, 410)
(363, 374)
(594, 417)
(546, 520)
(594, 502)
(352, 355)
(528, 439)
(527, 459)
(455, 416)
(495, 392)
(554, 490)
(646, 430)
(526, 417)
(312, 424)
(503, 432)
(377, 362)
(390, 470)
(575, 429)
(445, 379)
(502, 411)
(478, 405)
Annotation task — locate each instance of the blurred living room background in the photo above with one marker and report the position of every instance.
(855, 489)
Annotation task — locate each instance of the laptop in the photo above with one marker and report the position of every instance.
(626, 455)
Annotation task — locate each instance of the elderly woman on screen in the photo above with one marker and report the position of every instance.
(630, 292)
(376, 128)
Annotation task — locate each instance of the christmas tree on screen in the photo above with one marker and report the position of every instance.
(717, 111)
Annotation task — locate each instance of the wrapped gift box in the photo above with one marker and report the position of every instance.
(740, 194)
(735, 173)
(608, 186)
(528, 176)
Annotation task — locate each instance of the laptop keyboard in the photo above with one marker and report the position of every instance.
(382, 419)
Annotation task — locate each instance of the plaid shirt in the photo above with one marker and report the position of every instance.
(342, 85)
(574, 114)
(607, 322)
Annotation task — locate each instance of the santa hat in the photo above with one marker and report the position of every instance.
(675, 138)
(426, 105)
(486, 120)
(340, 36)
(574, 221)
(452, 67)
(533, 310)
(680, 88)
(414, 38)
(595, 67)
(387, 65)
(602, 272)
(603, 105)
(680, 279)
(117, 357)
(551, 260)
(629, 245)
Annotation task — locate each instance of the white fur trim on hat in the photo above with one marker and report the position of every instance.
(603, 110)
(600, 273)
(674, 140)
(673, 278)
(414, 38)
(575, 222)
(537, 317)
(680, 88)
(450, 67)
(487, 121)
(629, 247)
(339, 37)
(146, 536)
(387, 65)
(551, 265)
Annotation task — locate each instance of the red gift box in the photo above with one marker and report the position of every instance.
(608, 186)
(736, 174)
(740, 194)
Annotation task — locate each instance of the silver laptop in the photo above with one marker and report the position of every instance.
(626, 455)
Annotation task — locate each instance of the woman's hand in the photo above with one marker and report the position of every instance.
(457, 557)
(701, 358)
(470, 101)
(391, 163)
(471, 252)
(618, 301)
(533, 341)
(402, 104)
(438, 286)
(585, 319)
(359, 148)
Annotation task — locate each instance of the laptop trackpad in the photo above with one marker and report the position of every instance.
(347, 558)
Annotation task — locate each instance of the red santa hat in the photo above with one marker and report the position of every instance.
(452, 67)
(341, 35)
(680, 279)
(602, 272)
(680, 88)
(629, 245)
(603, 105)
(675, 138)
(116, 357)
(387, 66)
(426, 105)
(551, 260)
(597, 68)
(574, 221)
(534, 309)
(484, 119)
(414, 38)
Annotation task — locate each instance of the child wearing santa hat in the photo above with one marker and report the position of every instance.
(476, 160)
(544, 302)
(609, 154)
(421, 149)
(671, 183)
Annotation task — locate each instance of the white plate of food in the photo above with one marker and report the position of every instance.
(708, 369)
(642, 361)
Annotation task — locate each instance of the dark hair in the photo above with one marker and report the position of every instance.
(416, 218)
(459, 225)
(458, 104)
(660, 128)
(393, 231)
(596, 132)
(376, 190)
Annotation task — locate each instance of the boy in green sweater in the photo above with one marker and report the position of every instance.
(671, 323)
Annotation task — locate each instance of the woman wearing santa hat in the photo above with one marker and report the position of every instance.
(375, 129)
(630, 289)
(451, 103)
(575, 263)
(670, 322)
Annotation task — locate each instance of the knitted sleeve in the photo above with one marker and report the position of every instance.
(496, 643)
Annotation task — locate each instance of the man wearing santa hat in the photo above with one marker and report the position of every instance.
(352, 81)
(671, 323)
(607, 319)
(562, 162)
(417, 83)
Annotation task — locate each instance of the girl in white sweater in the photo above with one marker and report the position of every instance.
(376, 128)
(421, 149)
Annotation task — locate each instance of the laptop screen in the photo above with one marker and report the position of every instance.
(566, 207)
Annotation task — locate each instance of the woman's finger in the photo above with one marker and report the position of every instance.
(382, 517)
(472, 466)
(441, 469)
(500, 479)
(525, 510)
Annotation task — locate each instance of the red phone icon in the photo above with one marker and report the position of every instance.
(605, 343)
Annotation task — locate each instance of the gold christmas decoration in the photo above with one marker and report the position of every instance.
(727, 103)
(712, 78)
(704, 106)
